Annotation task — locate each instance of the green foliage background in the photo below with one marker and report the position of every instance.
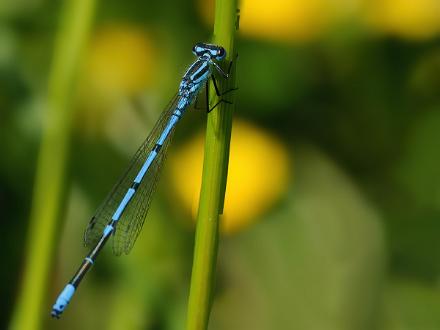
(352, 245)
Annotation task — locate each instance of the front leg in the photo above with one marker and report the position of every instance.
(217, 90)
(218, 94)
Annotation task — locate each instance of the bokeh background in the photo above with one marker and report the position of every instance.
(332, 212)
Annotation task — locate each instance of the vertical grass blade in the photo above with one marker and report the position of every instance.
(74, 28)
(215, 168)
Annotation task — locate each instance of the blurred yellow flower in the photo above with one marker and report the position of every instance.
(286, 20)
(283, 19)
(259, 173)
(412, 19)
(120, 60)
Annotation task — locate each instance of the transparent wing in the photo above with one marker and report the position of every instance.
(133, 217)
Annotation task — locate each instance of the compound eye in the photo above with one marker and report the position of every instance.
(196, 49)
(221, 54)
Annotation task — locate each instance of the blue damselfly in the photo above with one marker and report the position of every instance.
(124, 210)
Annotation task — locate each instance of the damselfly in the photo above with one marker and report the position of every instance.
(123, 212)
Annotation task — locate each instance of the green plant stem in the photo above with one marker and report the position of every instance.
(49, 184)
(215, 168)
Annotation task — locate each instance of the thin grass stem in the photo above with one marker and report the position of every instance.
(215, 169)
(49, 185)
